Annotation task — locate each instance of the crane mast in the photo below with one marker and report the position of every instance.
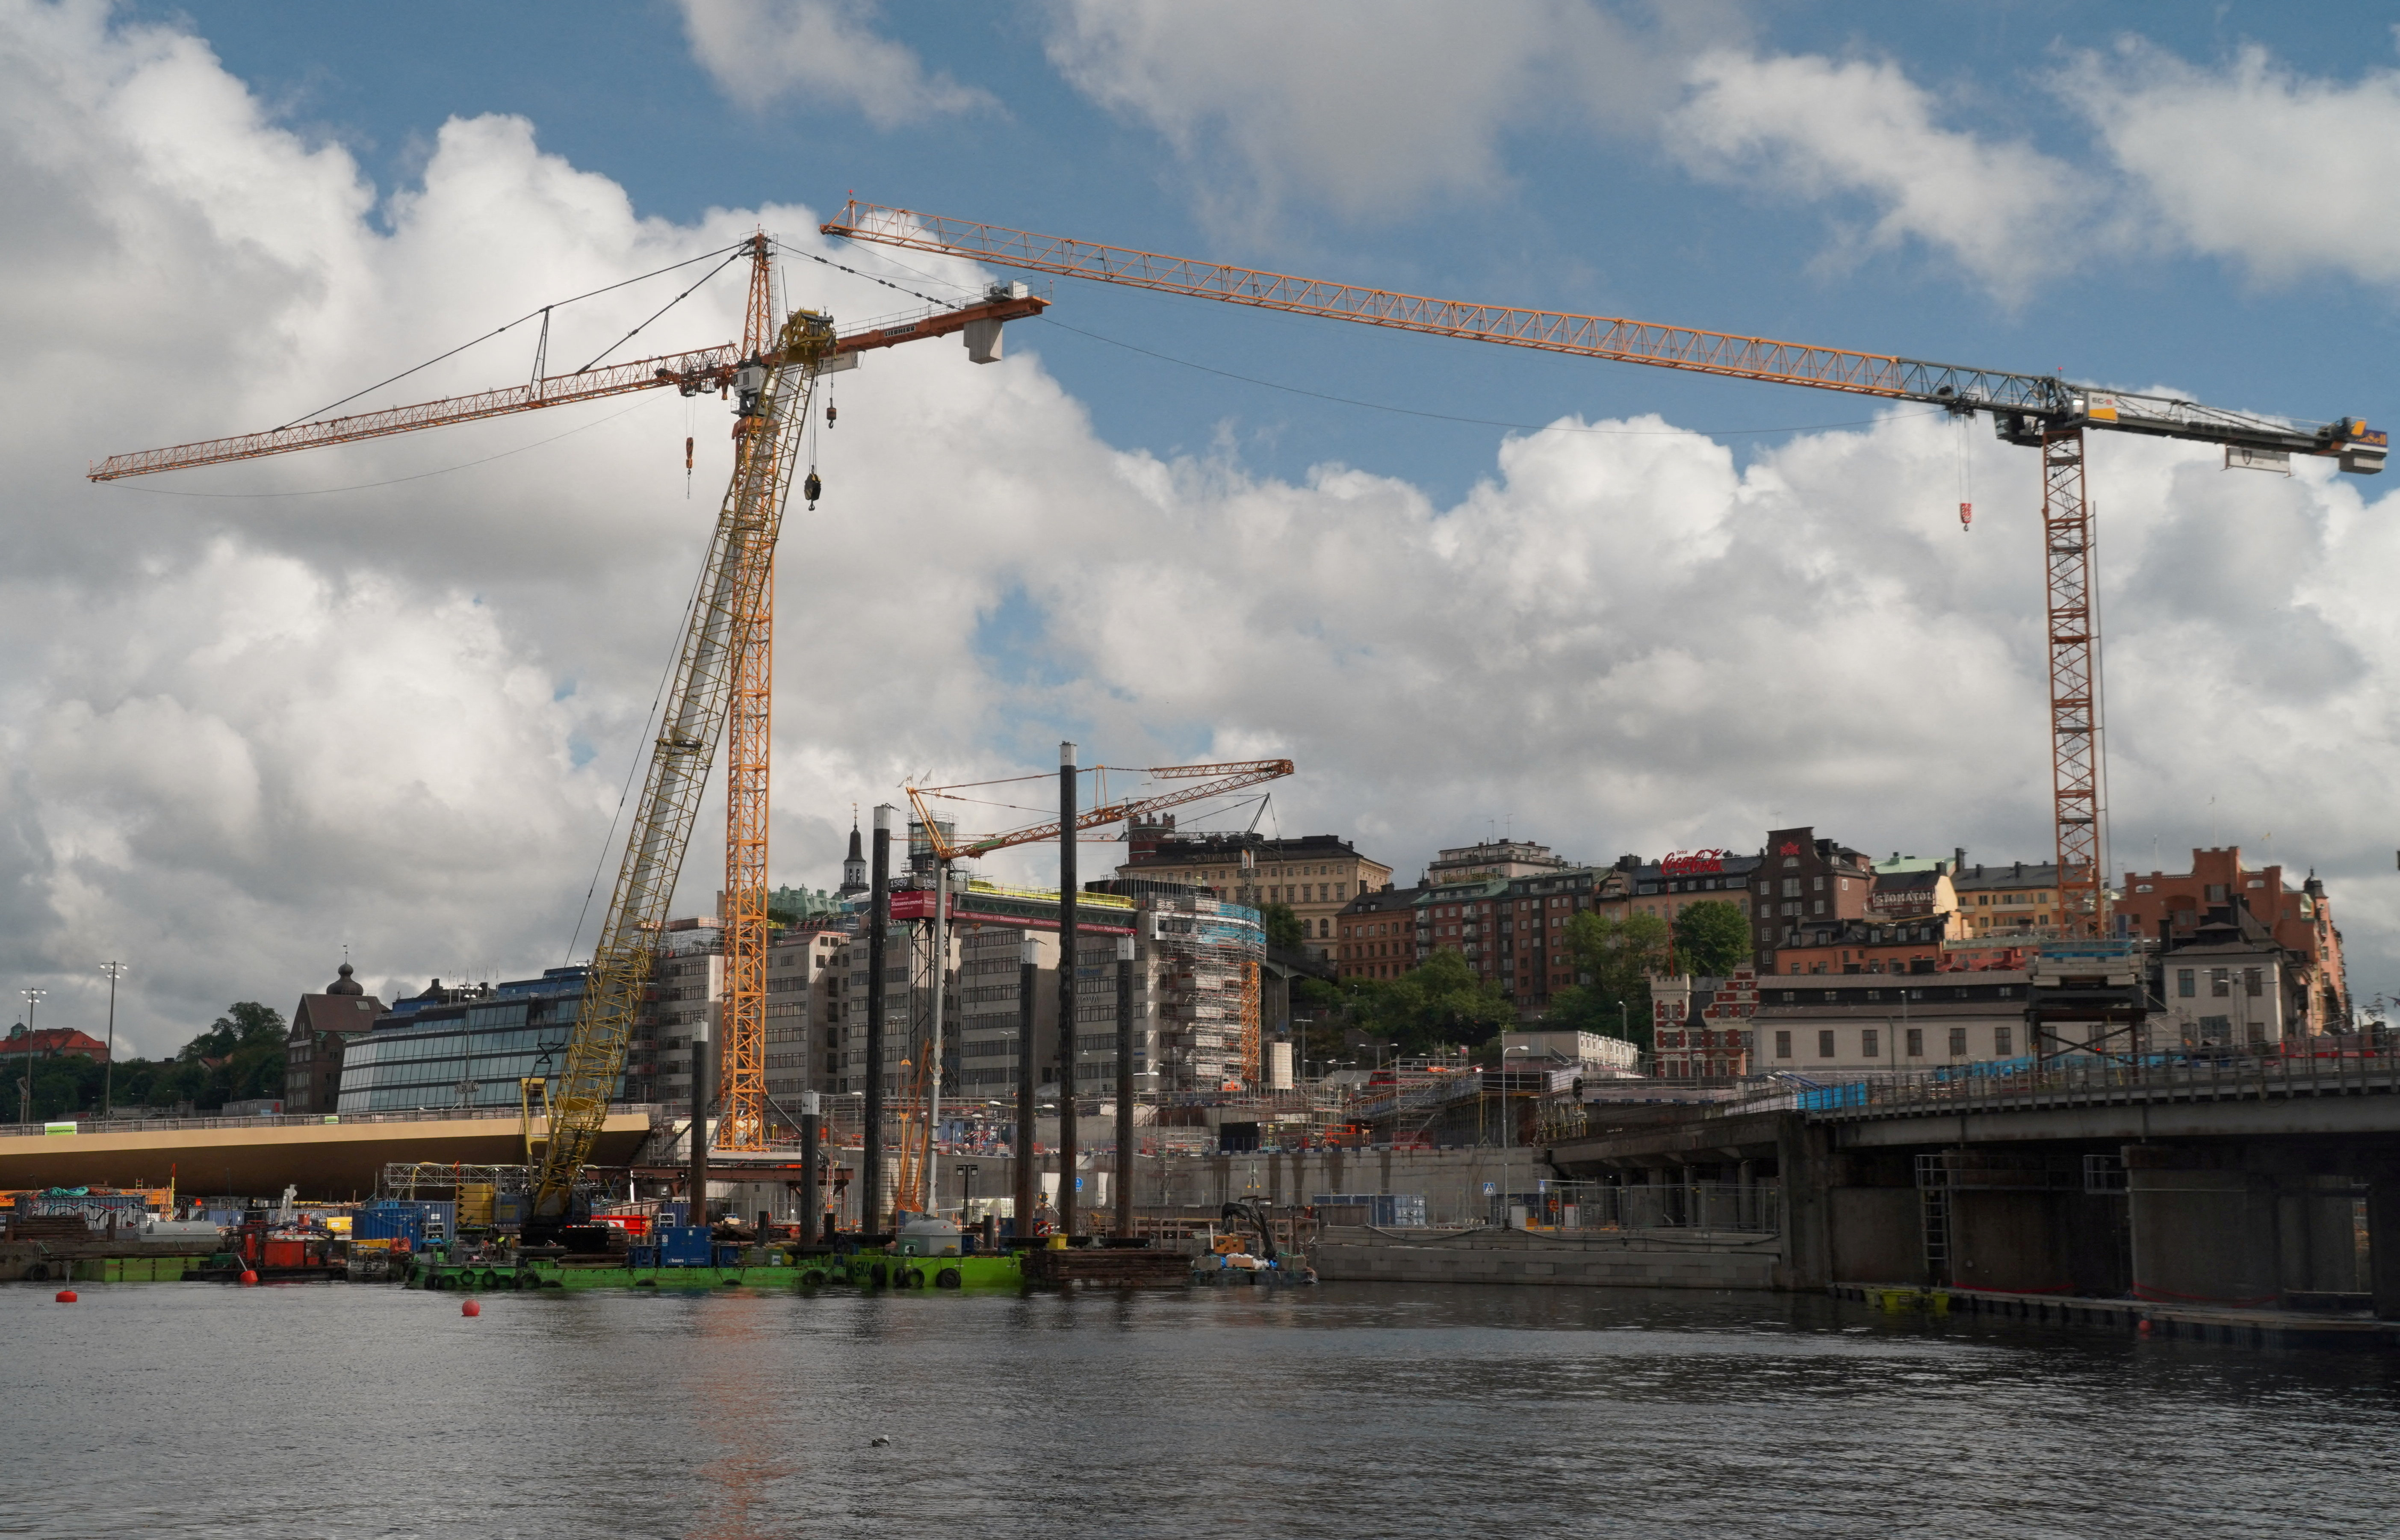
(713, 659)
(720, 686)
(2042, 412)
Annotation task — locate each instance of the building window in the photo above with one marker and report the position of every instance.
(1782, 1045)
(2003, 1042)
(1916, 1042)
(1870, 1043)
(1824, 1045)
(1957, 1043)
(2184, 983)
(2254, 982)
(2219, 984)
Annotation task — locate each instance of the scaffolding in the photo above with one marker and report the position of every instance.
(1208, 954)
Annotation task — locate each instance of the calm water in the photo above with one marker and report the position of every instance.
(1353, 1410)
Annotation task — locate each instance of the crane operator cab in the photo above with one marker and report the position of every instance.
(749, 383)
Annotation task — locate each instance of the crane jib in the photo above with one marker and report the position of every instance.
(2023, 406)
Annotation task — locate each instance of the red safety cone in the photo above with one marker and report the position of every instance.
(66, 1296)
(248, 1277)
(471, 1308)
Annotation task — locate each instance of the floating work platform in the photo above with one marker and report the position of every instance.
(2239, 1327)
(1108, 1267)
(883, 1270)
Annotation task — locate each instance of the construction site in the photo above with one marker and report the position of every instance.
(1020, 1077)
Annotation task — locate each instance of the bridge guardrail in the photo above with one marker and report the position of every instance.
(2023, 1085)
(68, 1127)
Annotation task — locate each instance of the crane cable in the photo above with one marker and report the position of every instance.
(542, 311)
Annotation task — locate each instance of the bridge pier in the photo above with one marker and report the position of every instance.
(2203, 1230)
(2054, 1241)
(2383, 1242)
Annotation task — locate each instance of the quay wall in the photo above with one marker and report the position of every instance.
(1361, 1254)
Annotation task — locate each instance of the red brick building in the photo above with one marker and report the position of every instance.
(321, 1029)
(1804, 881)
(2172, 907)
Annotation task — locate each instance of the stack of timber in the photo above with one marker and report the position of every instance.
(1108, 1267)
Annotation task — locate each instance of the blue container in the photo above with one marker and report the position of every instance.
(388, 1224)
(685, 1246)
(413, 1218)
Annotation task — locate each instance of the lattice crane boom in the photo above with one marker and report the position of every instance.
(1208, 781)
(2023, 405)
(690, 373)
(720, 686)
(2044, 412)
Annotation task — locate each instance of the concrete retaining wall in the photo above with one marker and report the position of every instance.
(1500, 1256)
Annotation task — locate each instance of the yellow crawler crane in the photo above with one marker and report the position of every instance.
(722, 669)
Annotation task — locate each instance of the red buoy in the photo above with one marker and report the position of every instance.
(471, 1308)
(248, 1277)
(66, 1296)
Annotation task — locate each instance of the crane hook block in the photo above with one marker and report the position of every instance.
(831, 414)
(687, 451)
(813, 488)
(1966, 517)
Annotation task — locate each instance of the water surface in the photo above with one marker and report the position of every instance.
(1351, 1410)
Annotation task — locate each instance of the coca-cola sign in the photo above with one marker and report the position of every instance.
(1692, 864)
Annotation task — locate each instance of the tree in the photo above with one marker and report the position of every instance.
(239, 1056)
(1618, 956)
(1436, 1004)
(1712, 938)
(1284, 930)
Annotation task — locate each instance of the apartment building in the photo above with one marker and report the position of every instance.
(1314, 875)
(1805, 881)
(2174, 909)
(2017, 901)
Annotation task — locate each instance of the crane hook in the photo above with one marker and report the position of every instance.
(813, 488)
(831, 414)
(1966, 517)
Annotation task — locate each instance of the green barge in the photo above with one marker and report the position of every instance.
(777, 1270)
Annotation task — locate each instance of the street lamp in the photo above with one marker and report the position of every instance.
(25, 1085)
(1506, 1049)
(108, 1071)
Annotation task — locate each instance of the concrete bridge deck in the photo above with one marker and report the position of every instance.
(325, 1158)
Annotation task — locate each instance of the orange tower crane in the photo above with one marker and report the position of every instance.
(921, 1108)
(720, 684)
(2037, 411)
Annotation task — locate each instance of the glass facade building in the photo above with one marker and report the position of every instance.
(468, 1048)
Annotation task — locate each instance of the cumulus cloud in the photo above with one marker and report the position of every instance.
(1368, 109)
(2250, 161)
(2285, 173)
(827, 51)
(1825, 129)
(240, 730)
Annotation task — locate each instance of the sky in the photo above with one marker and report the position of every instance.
(380, 701)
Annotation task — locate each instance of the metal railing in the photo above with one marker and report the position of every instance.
(2079, 1081)
(291, 1119)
